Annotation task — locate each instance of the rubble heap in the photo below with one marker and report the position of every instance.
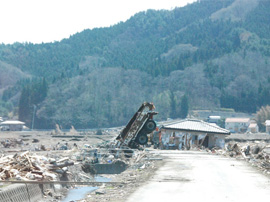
(32, 167)
(257, 153)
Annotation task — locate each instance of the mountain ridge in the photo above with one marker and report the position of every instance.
(158, 56)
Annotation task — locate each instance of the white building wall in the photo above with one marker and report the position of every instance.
(236, 127)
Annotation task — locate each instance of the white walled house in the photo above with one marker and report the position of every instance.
(237, 125)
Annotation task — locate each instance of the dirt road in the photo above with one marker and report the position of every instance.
(199, 176)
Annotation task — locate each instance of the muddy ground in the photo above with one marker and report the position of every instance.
(18, 141)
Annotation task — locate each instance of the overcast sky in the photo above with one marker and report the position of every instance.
(39, 21)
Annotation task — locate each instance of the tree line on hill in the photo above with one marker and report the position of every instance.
(180, 59)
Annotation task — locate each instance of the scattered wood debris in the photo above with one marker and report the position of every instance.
(26, 167)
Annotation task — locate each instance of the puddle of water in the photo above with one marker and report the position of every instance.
(79, 193)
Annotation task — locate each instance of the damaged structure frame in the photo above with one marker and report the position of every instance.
(192, 133)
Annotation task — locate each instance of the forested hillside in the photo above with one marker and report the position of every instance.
(209, 54)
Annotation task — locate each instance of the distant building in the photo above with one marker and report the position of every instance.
(214, 119)
(237, 125)
(267, 126)
(253, 127)
(12, 125)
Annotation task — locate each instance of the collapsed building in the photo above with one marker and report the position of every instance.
(191, 133)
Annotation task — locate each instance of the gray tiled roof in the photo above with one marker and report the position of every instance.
(196, 126)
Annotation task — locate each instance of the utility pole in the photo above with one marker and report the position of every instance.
(33, 119)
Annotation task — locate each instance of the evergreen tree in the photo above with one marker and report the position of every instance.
(173, 105)
(44, 89)
(25, 105)
(32, 95)
(184, 107)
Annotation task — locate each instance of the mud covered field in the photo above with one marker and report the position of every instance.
(17, 141)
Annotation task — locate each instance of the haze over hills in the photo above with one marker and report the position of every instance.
(215, 53)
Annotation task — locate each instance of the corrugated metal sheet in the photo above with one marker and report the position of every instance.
(196, 126)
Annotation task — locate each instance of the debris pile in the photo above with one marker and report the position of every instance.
(104, 161)
(32, 167)
(257, 153)
(114, 161)
(11, 142)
